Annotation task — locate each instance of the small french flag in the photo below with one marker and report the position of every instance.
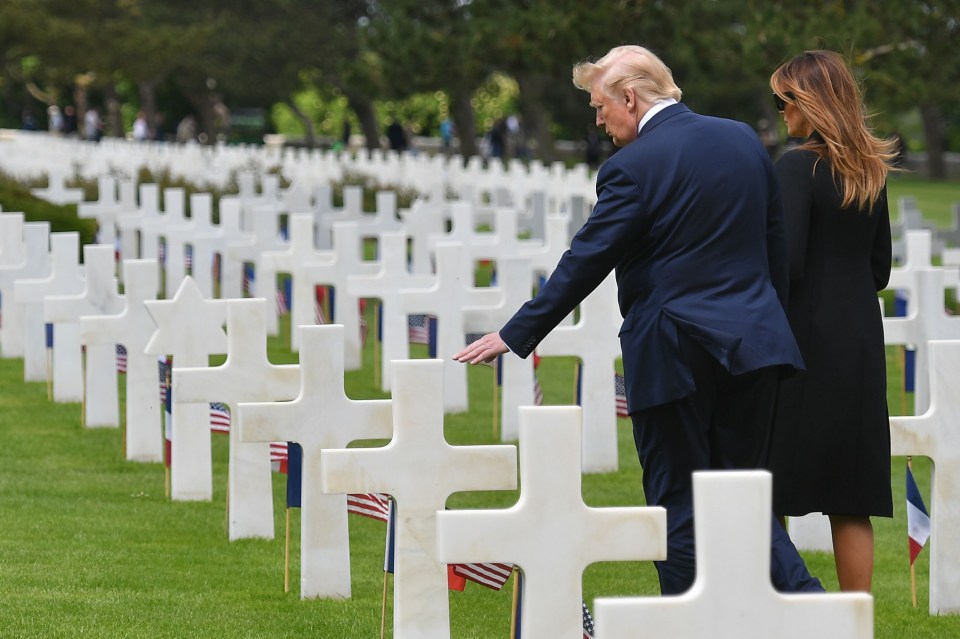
(918, 521)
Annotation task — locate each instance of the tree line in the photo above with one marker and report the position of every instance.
(173, 57)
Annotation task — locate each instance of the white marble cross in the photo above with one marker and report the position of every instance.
(577, 211)
(294, 259)
(732, 596)
(420, 470)
(206, 239)
(99, 297)
(345, 260)
(66, 278)
(326, 216)
(12, 258)
(24, 256)
(550, 533)
(296, 198)
(105, 210)
(132, 328)
(950, 236)
(513, 283)
(452, 290)
(231, 270)
(321, 416)
(423, 219)
(384, 220)
(176, 231)
(130, 224)
(935, 434)
(246, 376)
(264, 237)
(386, 285)
(544, 257)
(189, 328)
(56, 190)
(503, 241)
(926, 318)
(155, 223)
(533, 216)
(594, 339)
(462, 228)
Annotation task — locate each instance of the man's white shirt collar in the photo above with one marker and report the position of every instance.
(657, 107)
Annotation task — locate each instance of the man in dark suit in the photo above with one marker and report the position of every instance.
(688, 213)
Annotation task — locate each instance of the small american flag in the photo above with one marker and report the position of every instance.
(279, 456)
(164, 370)
(373, 505)
(219, 417)
(418, 331)
(364, 331)
(282, 306)
(249, 278)
(188, 257)
(318, 317)
(621, 392)
(587, 623)
(537, 391)
(121, 358)
(491, 575)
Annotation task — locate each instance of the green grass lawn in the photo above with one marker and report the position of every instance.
(935, 199)
(90, 547)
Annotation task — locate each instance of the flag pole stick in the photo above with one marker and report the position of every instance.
(286, 554)
(226, 510)
(376, 344)
(513, 607)
(383, 607)
(496, 397)
(576, 382)
(49, 374)
(913, 568)
(902, 363)
(83, 390)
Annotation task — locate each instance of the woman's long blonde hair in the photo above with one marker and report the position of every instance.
(821, 86)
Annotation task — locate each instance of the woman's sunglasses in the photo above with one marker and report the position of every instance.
(780, 103)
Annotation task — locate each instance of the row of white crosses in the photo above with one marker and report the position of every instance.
(24, 255)
(561, 536)
(933, 432)
(99, 368)
(65, 278)
(29, 154)
(550, 532)
(41, 286)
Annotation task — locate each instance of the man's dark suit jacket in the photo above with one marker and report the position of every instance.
(689, 215)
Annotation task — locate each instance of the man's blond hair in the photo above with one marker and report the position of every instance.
(628, 67)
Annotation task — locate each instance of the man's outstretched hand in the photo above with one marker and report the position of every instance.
(484, 350)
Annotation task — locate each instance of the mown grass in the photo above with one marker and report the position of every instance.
(90, 547)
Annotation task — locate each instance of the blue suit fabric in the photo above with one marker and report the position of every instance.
(689, 216)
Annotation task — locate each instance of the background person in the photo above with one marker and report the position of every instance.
(830, 448)
(688, 213)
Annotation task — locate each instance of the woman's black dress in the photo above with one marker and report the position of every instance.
(830, 444)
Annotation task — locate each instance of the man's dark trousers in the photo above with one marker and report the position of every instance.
(723, 425)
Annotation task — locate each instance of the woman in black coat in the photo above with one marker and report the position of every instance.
(830, 445)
